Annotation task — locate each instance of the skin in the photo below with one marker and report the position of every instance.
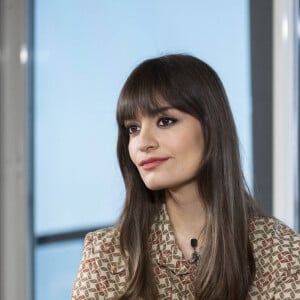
(173, 141)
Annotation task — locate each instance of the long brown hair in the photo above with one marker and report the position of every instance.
(227, 266)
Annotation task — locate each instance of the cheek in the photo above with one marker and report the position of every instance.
(132, 152)
(192, 149)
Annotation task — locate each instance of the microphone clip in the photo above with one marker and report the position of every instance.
(195, 255)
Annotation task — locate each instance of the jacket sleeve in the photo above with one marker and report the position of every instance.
(86, 281)
(288, 256)
(102, 272)
(289, 286)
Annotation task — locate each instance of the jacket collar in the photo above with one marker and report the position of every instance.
(164, 250)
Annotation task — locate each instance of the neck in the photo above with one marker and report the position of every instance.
(186, 212)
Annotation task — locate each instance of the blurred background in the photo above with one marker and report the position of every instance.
(63, 63)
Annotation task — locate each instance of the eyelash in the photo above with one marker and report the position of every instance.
(161, 123)
(169, 120)
(130, 127)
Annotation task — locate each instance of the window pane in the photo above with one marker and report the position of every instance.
(55, 269)
(84, 51)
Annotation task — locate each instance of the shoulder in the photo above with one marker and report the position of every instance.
(102, 271)
(269, 232)
(102, 238)
(276, 249)
(102, 243)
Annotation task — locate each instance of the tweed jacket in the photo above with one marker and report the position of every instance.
(103, 273)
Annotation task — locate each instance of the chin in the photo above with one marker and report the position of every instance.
(155, 183)
(154, 186)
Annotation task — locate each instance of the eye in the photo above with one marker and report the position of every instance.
(166, 121)
(131, 129)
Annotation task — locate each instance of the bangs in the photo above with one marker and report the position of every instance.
(144, 92)
(144, 102)
(159, 82)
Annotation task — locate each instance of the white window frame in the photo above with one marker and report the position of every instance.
(285, 111)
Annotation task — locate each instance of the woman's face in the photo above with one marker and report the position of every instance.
(166, 147)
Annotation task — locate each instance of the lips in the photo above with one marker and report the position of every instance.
(152, 162)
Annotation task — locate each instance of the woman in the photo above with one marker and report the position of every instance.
(189, 228)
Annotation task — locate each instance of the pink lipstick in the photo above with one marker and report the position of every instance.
(152, 163)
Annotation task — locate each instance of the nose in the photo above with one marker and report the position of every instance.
(147, 139)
